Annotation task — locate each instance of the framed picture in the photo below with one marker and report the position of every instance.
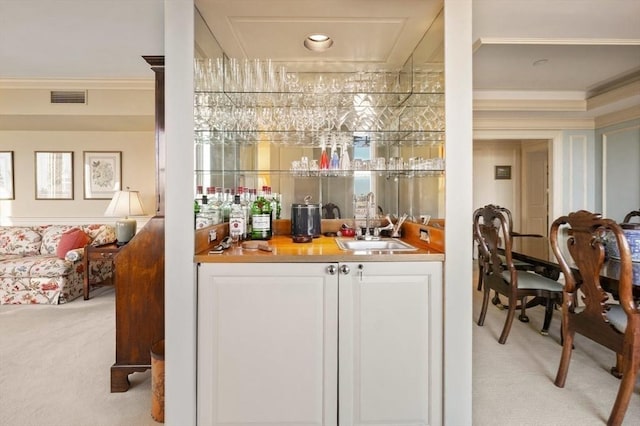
(6, 175)
(102, 174)
(54, 175)
(503, 172)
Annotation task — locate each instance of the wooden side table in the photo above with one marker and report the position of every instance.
(93, 253)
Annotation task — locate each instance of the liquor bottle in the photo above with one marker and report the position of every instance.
(261, 218)
(236, 221)
(324, 157)
(273, 201)
(196, 211)
(278, 205)
(227, 201)
(245, 208)
(198, 195)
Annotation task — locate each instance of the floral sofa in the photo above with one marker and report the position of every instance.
(34, 270)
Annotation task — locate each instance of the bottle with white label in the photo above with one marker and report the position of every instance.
(237, 224)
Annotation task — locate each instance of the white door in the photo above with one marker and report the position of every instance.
(267, 344)
(390, 344)
(535, 188)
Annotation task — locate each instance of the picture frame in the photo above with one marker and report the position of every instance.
(503, 173)
(6, 176)
(54, 175)
(102, 174)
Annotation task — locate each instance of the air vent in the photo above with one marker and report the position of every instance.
(68, 97)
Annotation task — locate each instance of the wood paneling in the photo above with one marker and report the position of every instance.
(139, 281)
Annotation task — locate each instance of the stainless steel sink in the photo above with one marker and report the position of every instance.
(385, 244)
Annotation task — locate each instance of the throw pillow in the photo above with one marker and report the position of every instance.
(72, 239)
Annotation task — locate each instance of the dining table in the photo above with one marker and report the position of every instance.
(536, 250)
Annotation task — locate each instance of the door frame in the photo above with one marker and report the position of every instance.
(554, 138)
(529, 147)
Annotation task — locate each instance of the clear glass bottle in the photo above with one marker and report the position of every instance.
(261, 220)
(227, 201)
(245, 208)
(237, 221)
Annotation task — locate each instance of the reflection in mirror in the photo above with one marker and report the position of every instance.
(257, 158)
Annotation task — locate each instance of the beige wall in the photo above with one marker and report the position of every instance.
(486, 189)
(114, 119)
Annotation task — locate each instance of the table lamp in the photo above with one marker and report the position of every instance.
(125, 203)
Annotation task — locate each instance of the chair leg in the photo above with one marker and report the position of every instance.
(565, 358)
(480, 274)
(616, 370)
(485, 305)
(497, 302)
(523, 313)
(511, 312)
(548, 315)
(627, 385)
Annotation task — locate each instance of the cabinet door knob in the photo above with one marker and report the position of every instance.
(345, 269)
(331, 269)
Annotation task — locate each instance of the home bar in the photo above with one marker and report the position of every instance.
(302, 296)
(335, 297)
(186, 306)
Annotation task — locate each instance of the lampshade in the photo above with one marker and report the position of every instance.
(124, 204)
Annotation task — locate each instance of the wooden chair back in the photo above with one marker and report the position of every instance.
(630, 215)
(598, 320)
(491, 231)
(331, 211)
(499, 273)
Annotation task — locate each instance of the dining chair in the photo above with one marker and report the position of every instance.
(613, 325)
(483, 258)
(330, 211)
(492, 233)
(632, 214)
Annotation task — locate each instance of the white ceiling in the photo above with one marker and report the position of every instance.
(587, 43)
(366, 33)
(79, 39)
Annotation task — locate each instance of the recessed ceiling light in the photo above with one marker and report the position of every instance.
(539, 62)
(318, 42)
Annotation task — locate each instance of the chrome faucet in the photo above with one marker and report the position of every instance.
(370, 204)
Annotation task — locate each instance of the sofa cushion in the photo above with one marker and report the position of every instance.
(19, 240)
(72, 239)
(36, 266)
(100, 234)
(51, 235)
(4, 257)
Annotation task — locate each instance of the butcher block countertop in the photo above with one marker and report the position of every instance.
(321, 249)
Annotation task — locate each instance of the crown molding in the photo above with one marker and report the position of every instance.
(529, 105)
(614, 95)
(78, 84)
(78, 123)
(617, 117)
(555, 41)
(502, 122)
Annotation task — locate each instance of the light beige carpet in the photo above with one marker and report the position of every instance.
(513, 383)
(55, 361)
(55, 367)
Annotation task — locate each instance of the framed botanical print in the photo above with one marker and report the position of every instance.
(102, 174)
(6, 175)
(54, 175)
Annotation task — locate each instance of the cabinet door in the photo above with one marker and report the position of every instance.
(390, 344)
(267, 344)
